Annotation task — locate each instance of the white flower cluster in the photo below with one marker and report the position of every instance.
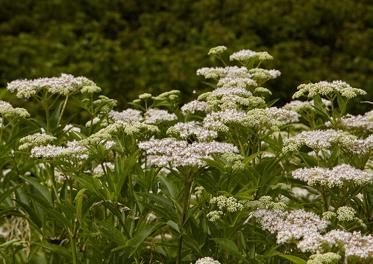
(37, 139)
(207, 260)
(325, 88)
(217, 50)
(334, 177)
(306, 227)
(283, 116)
(66, 84)
(7, 110)
(156, 116)
(364, 122)
(193, 128)
(246, 54)
(129, 115)
(194, 107)
(72, 150)
(322, 140)
(230, 91)
(326, 258)
(176, 153)
(354, 244)
(293, 225)
(218, 120)
(300, 106)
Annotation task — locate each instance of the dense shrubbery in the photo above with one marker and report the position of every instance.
(129, 47)
(226, 178)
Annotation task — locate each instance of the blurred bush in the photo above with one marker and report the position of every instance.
(128, 47)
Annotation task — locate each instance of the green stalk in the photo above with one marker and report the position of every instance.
(73, 249)
(62, 110)
(186, 198)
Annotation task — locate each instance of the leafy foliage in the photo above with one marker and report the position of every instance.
(146, 185)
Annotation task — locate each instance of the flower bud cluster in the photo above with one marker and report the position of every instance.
(266, 202)
(220, 72)
(346, 214)
(217, 50)
(259, 119)
(327, 89)
(229, 204)
(7, 110)
(130, 129)
(262, 75)
(326, 258)
(246, 54)
(37, 139)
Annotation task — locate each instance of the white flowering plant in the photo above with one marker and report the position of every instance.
(225, 178)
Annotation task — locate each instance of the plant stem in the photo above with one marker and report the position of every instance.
(62, 110)
(186, 197)
(73, 249)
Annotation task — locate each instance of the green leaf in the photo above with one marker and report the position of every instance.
(7, 193)
(293, 259)
(55, 248)
(139, 238)
(173, 225)
(228, 245)
(79, 204)
(43, 190)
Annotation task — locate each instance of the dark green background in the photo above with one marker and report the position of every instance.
(128, 47)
